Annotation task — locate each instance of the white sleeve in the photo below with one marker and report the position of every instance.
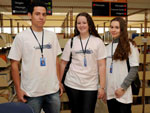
(134, 56)
(58, 49)
(16, 49)
(102, 53)
(66, 52)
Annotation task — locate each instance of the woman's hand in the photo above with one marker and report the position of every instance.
(102, 94)
(119, 92)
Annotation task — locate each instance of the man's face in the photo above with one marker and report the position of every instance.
(38, 17)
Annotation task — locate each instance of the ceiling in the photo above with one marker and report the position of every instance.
(61, 7)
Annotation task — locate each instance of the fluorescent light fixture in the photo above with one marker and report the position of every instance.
(6, 13)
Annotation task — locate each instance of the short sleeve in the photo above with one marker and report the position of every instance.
(58, 52)
(66, 52)
(102, 53)
(16, 49)
(134, 56)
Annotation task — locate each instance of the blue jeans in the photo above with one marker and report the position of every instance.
(50, 103)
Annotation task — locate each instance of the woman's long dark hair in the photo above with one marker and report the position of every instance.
(91, 25)
(123, 49)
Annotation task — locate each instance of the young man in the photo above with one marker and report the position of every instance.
(38, 50)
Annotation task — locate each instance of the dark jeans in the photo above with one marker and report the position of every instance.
(50, 103)
(81, 101)
(116, 107)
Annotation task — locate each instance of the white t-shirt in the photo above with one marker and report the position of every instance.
(79, 76)
(36, 80)
(119, 72)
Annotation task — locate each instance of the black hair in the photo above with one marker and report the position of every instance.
(36, 4)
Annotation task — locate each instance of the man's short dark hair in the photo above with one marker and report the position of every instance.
(36, 4)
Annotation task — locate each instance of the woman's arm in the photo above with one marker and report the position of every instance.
(130, 77)
(102, 77)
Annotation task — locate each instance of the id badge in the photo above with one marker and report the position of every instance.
(111, 67)
(42, 61)
(85, 62)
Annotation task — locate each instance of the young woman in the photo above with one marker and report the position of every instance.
(119, 94)
(87, 67)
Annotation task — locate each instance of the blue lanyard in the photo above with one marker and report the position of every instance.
(41, 46)
(84, 50)
(111, 66)
(112, 52)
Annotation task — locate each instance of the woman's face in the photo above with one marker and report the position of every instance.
(82, 25)
(115, 29)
